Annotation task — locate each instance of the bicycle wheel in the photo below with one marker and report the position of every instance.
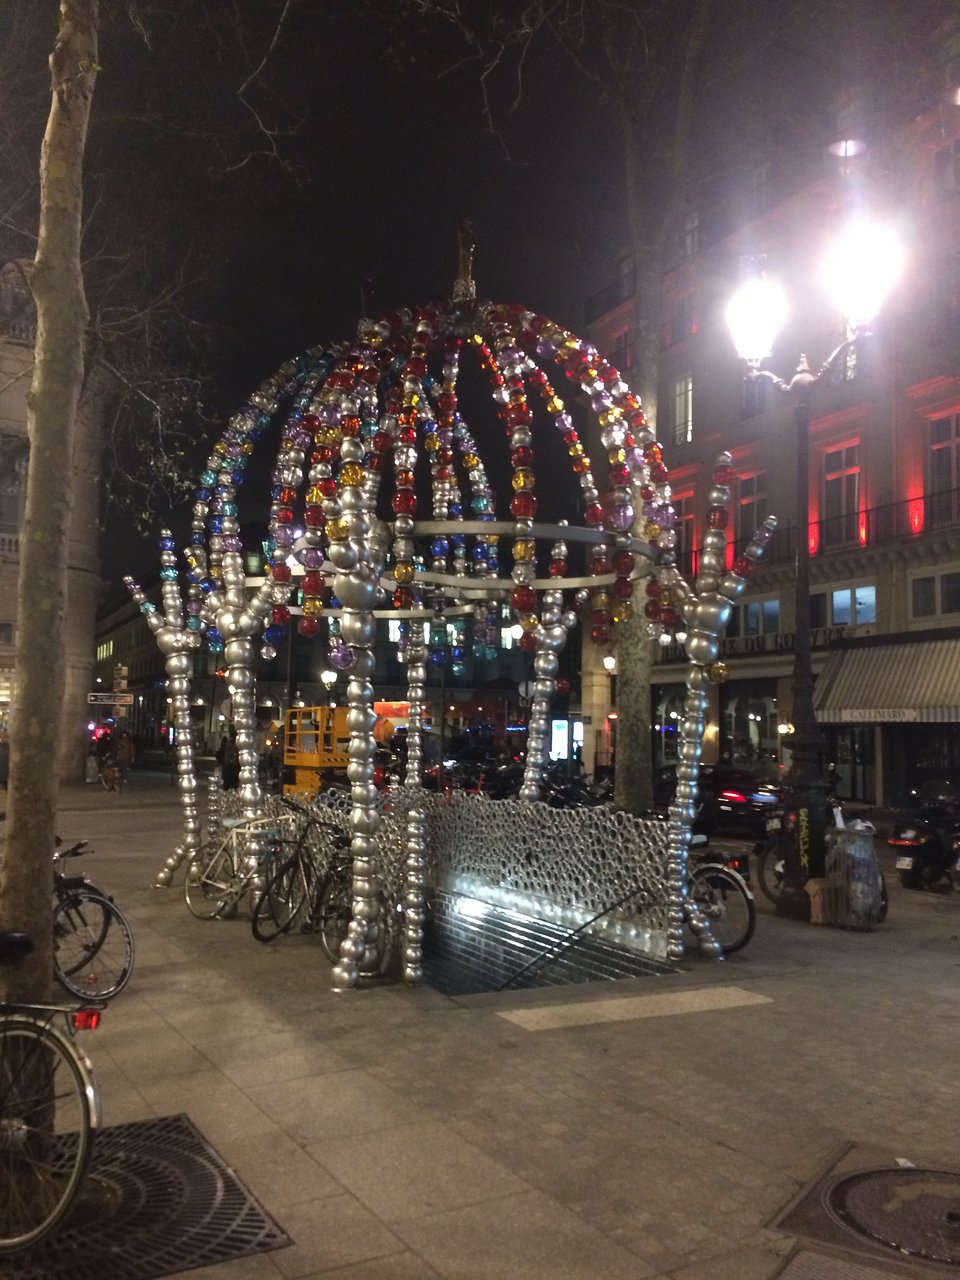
(725, 901)
(209, 880)
(286, 898)
(48, 1110)
(770, 860)
(93, 947)
(334, 913)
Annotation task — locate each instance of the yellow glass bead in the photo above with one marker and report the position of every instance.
(470, 460)
(555, 405)
(622, 611)
(666, 597)
(337, 529)
(351, 474)
(617, 455)
(524, 549)
(247, 446)
(403, 572)
(215, 571)
(575, 450)
(431, 443)
(314, 496)
(599, 599)
(528, 621)
(717, 672)
(523, 479)
(312, 607)
(651, 530)
(220, 447)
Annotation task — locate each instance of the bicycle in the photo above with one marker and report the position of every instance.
(222, 872)
(724, 897)
(49, 1111)
(93, 943)
(311, 887)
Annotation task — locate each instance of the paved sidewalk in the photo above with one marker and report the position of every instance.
(643, 1129)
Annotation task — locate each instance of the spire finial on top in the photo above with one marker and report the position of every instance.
(464, 288)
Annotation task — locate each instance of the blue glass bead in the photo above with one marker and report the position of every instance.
(491, 652)
(214, 637)
(458, 540)
(229, 509)
(168, 574)
(487, 514)
(456, 668)
(440, 546)
(334, 603)
(166, 544)
(197, 539)
(456, 652)
(479, 649)
(216, 524)
(194, 623)
(456, 509)
(215, 646)
(207, 585)
(208, 477)
(479, 503)
(275, 634)
(236, 477)
(148, 607)
(203, 495)
(438, 657)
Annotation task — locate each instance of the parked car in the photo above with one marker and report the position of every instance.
(732, 798)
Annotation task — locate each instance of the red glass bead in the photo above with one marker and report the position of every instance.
(557, 569)
(652, 609)
(313, 583)
(654, 589)
(314, 517)
(446, 402)
(593, 513)
(309, 626)
(280, 613)
(523, 599)
(722, 475)
(600, 635)
(404, 479)
(382, 441)
(718, 517)
(527, 642)
(519, 416)
(600, 618)
(287, 496)
(619, 474)
(622, 563)
(563, 686)
(407, 435)
(622, 589)
(522, 456)
(523, 506)
(669, 617)
(327, 486)
(743, 567)
(599, 565)
(283, 515)
(280, 572)
(404, 502)
(403, 597)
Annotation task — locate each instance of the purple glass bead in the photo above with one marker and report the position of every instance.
(563, 422)
(546, 350)
(341, 657)
(634, 459)
(311, 557)
(622, 517)
(600, 401)
(329, 415)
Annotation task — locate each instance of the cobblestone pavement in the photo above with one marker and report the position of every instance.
(400, 1133)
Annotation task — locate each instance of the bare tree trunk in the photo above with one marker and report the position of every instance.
(651, 233)
(57, 282)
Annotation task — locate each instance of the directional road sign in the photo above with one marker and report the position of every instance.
(109, 699)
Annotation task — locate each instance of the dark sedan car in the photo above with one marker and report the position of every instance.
(732, 799)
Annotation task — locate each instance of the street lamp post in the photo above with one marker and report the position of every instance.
(859, 272)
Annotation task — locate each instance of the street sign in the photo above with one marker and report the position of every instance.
(111, 699)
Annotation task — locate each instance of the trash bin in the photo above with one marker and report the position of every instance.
(852, 889)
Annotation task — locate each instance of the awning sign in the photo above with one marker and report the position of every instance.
(878, 715)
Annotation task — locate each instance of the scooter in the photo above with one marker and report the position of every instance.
(928, 845)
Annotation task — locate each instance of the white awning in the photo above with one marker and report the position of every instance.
(891, 683)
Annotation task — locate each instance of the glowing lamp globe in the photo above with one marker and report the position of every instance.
(755, 315)
(860, 269)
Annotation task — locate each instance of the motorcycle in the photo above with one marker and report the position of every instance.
(928, 845)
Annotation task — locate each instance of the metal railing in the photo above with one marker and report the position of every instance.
(912, 520)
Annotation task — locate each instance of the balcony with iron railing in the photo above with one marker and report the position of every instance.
(915, 520)
(9, 539)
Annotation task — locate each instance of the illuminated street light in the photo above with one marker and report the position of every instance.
(858, 274)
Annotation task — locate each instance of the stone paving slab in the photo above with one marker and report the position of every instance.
(401, 1133)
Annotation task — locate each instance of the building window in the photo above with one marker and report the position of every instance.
(841, 495)
(753, 396)
(622, 354)
(924, 597)
(690, 235)
(844, 606)
(947, 288)
(685, 529)
(683, 410)
(6, 633)
(751, 507)
(943, 472)
(755, 618)
(680, 319)
(935, 595)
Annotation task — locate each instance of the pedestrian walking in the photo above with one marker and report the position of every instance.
(125, 753)
(228, 757)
